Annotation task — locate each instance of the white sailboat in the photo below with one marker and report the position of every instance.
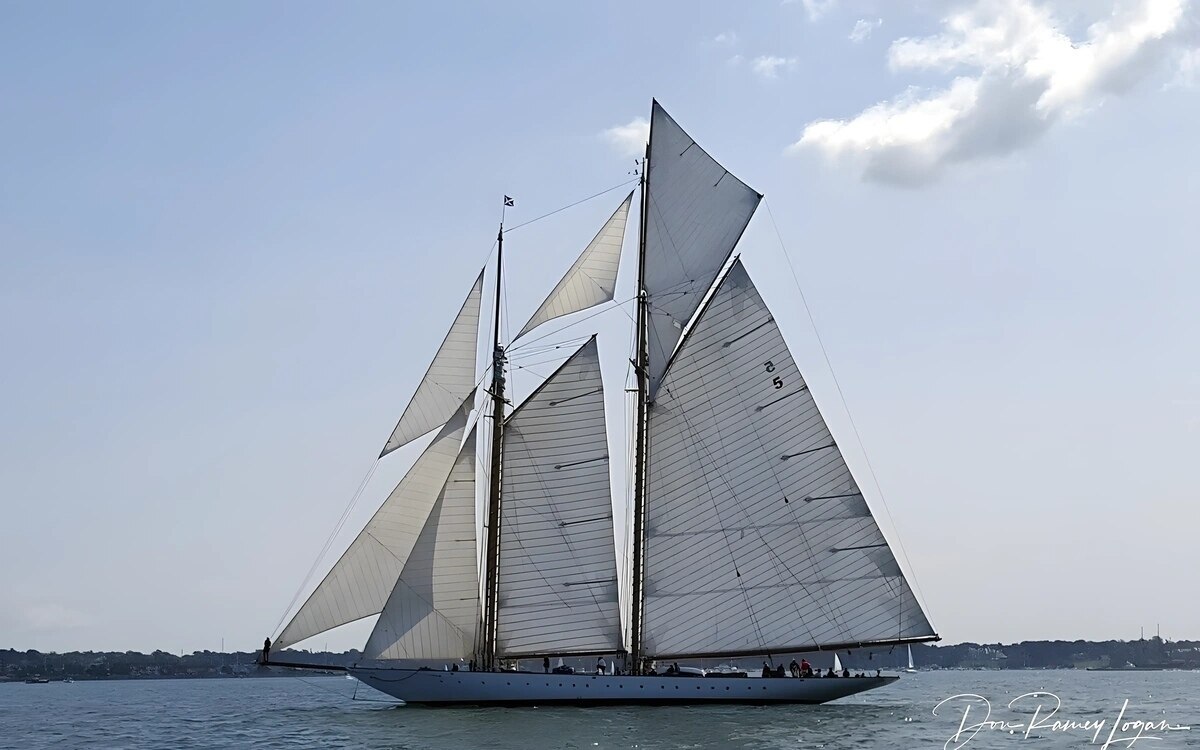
(748, 533)
(910, 669)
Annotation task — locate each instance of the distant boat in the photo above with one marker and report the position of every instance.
(1129, 667)
(910, 669)
(36, 681)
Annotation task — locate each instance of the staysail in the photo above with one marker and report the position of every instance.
(557, 575)
(696, 211)
(359, 583)
(758, 539)
(592, 279)
(451, 376)
(433, 610)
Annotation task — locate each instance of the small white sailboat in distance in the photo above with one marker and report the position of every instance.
(748, 534)
(910, 669)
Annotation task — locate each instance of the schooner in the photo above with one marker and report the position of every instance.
(748, 535)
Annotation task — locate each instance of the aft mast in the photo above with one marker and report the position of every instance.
(640, 367)
(492, 520)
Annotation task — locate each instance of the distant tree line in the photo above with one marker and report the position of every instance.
(1150, 652)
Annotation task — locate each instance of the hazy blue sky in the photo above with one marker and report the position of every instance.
(232, 234)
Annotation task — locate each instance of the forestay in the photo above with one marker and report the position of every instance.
(592, 279)
(758, 538)
(433, 610)
(451, 376)
(359, 583)
(558, 574)
(697, 212)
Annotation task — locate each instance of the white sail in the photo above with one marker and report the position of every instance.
(758, 538)
(837, 664)
(558, 574)
(433, 610)
(910, 661)
(451, 376)
(359, 583)
(697, 211)
(592, 279)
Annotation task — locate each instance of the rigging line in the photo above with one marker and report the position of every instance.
(842, 396)
(533, 372)
(571, 205)
(547, 348)
(341, 522)
(325, 689)
(569, 345)
(604, 307)
(538, 363)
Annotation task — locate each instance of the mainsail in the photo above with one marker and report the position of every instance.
(451, 376)
(758, 539)
(433, 610)
(558, 576)
(592, 279)
(360, 582)
(695, 212)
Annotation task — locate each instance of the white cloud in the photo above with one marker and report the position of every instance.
(769, 66)
(863, 29)
(629, 139)
(814, 8)
(1187, 73)
(1025, 75)
(727, 38)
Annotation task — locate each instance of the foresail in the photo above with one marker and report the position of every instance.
(697, 212)
(558, 572)
(758, 538)
(592, 279)
(433, 610)
(451, 376)
(359, 583)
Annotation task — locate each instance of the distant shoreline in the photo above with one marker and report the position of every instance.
(1150, 653)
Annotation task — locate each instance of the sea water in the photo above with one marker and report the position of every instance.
(1122, 709)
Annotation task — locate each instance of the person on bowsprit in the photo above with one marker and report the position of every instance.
(266, 652)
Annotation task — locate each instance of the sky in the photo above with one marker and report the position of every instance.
(233, 234)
